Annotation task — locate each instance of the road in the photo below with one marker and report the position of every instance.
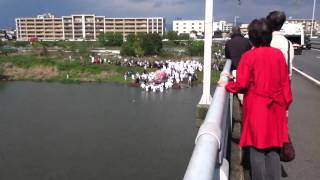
(309, 62)
(315, 43)
(304, 129)
(304, 124)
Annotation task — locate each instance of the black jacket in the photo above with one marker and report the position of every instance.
(234, 49)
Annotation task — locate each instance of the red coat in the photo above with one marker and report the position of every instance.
(262, 76)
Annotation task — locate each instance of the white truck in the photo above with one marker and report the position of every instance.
(295, 34)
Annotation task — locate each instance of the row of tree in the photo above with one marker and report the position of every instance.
(142, 44)
(116, 39)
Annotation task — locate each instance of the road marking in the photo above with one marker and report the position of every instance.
(317, 82)
(315, 49)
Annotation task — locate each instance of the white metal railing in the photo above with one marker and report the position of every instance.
(208, 158)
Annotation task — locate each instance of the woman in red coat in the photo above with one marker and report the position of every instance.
(262, 76)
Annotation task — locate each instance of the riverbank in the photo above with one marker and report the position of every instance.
(53, 69)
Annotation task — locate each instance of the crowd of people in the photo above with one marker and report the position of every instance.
(169, 74)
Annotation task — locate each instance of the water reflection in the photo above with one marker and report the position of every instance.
(94, 131)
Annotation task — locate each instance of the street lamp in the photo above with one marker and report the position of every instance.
(312, 23)
(235, 20)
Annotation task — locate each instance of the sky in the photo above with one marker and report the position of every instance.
(247, 10)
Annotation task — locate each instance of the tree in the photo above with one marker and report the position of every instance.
(184, 36)
(171, 35)
(152, 44)
(127, 48)
(110, 39)
(142, 44)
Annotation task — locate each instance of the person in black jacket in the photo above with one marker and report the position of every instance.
(235, 47)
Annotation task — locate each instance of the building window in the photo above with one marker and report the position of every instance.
(184, 23)
(192, 28)
(177, 24)
(192, 23)
(200, 23)
(184, 28)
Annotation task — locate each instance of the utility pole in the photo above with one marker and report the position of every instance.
(312, 23)
(206, 96)
(235, 20)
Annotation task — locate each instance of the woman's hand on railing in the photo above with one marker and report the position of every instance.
(228, 75)
(222, 83)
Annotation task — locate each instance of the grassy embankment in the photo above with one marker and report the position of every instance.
(39, 68)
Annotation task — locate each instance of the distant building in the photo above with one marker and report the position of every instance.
(244, 29)
(188, 26)
(7, 34)
(2, 35)
(191, 26)
(224, 26)
(47, 27)
(307, 24)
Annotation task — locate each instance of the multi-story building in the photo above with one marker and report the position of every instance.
(188, 26)
(83, 27)
(307, 24)
(227, 27)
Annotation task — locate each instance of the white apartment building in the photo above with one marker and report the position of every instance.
(188, 26)
(307, 24)
(83, 27)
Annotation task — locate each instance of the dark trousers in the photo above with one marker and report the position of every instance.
(265, 164)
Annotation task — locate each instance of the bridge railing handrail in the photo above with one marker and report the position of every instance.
(208, 155)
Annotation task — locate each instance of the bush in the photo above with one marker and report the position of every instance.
(1, 43)
(7, 50)
(196, 48)
(21, 43)
(44, 51)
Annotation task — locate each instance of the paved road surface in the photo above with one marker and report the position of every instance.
(309, 62)
(304, 127)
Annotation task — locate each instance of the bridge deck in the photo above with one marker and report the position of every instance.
(304, 127)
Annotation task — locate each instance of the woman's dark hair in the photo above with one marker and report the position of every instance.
(260, 33)
(235, 32)
(276, 20)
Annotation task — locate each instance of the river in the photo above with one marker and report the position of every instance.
(53, 131)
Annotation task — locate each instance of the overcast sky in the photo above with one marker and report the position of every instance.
(170, 9)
